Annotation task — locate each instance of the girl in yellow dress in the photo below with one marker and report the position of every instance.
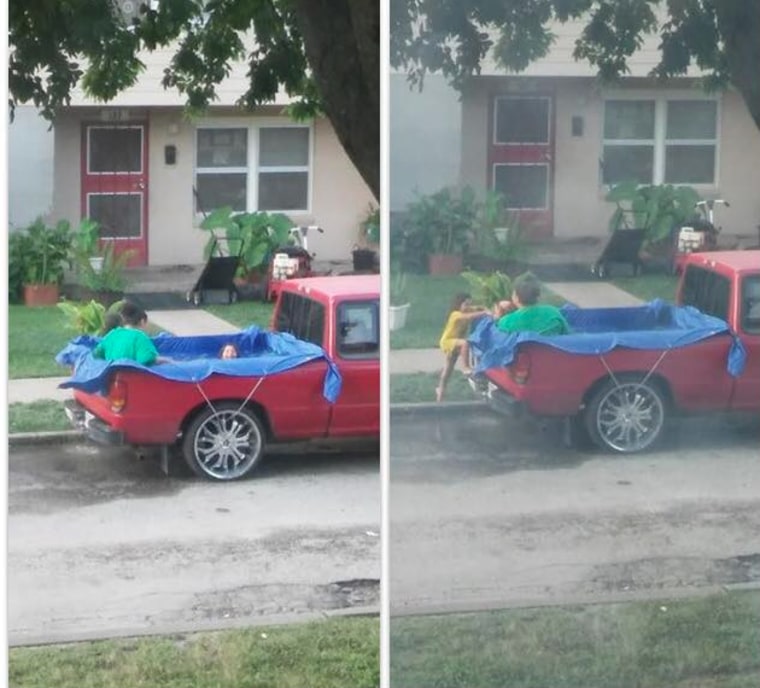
(453, 341)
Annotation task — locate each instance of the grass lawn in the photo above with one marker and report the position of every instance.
(244, 313)
(648, 287)
(418, 387)
(430, 297)
(694, 643)
(35, 336)
(37, 416)
(329, 654)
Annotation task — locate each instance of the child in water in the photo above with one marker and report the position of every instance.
(228, 351)
(453, 341)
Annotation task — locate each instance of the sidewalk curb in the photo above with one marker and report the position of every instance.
(22, 439)
(197, 627)
(428, 409)
(633, 596)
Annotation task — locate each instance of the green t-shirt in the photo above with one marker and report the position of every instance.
(540, 318)
(126, 342)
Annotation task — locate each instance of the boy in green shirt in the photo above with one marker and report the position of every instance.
(524, 314)
(128, 341)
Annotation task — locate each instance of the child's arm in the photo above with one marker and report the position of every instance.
(473, 315)
(145, 351)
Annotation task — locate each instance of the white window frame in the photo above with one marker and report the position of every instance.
(252, 157)
(660, 140)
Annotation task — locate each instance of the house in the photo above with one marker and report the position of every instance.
(148, 174)
(30, 167)
(554, 140)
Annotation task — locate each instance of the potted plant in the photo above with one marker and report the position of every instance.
(399, 306)
(365, 257)
(17, 241)
(498, 241)
(105, 284)
(445, 222)
(253, 236)
(86, 242)
(43, 253)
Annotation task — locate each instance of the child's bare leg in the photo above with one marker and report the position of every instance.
(448, 368)
(464, 352)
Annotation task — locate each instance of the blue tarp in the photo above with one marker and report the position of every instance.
(195, 358)
(656, 325)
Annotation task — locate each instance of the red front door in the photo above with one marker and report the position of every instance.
(520, 155)
(115, 185)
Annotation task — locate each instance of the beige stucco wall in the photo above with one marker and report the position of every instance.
(339, 196)
(579, 205)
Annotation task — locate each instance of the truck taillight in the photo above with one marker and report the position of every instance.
(117, 395)
(519, 370)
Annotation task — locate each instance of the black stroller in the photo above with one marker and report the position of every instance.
(218, 274)
(623, 247)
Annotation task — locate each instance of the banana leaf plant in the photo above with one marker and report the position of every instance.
(657, 209)
(488, 289)
(87, 318)
(252, 236)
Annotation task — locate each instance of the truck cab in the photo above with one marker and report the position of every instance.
(726, 285)
(342, 315)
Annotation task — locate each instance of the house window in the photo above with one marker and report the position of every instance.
(629, 141)
(690, 141)
(222, 168)
(253, 168)
(660, 141)
(283, 168)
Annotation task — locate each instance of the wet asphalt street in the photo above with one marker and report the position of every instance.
(491, 512)
(100, 543)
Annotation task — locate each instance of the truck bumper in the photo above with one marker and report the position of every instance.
(94, 428)
(497, 399)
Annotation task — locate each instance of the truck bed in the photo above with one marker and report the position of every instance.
(554, 375)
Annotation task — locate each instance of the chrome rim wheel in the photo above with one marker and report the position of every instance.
(227, 444)
(629, 417)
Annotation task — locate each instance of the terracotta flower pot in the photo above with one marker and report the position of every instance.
(40, 294)
(444, 264)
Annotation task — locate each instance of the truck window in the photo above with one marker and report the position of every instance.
(707, 291)
(750, 306)
(302, 317)
(359, 329)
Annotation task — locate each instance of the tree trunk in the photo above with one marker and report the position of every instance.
(739, 25)
(342, 42)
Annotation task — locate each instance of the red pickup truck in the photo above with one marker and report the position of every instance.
(223, 422)
(623, 397)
